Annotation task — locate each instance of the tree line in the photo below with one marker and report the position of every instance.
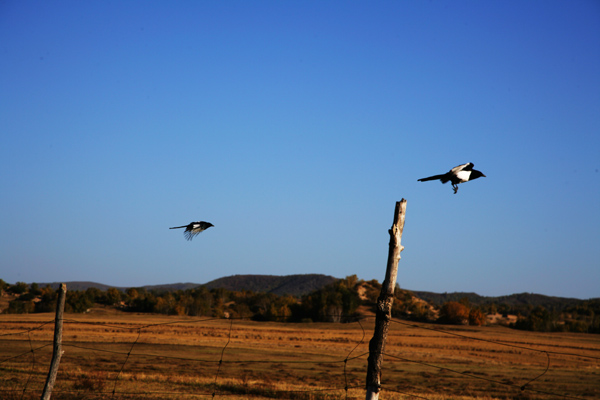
(339, 301)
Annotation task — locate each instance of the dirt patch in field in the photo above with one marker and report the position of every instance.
(498, 319)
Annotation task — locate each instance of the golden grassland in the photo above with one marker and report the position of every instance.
(110, 354)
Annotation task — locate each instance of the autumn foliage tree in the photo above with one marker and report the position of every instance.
(454, 312)
(461, 313)
(476, 317)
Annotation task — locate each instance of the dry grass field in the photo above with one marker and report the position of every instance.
(109, 354)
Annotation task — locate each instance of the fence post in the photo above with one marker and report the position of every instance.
(57, 352)
(385, 301)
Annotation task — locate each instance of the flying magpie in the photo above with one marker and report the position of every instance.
(193, 228)
(456, 175)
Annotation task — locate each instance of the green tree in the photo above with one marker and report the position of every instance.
(202, 302)
(145, 302)
(78, 302)
(132, 294)
(47, 301)
(34, 289)
(95, 295)
(332, 303)
(20, 307)
(113, 296)
(421, 311)
(183, 303)
(19, 288)
(539, 319)
(166, 304)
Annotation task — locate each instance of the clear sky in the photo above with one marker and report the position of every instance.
(294, 127)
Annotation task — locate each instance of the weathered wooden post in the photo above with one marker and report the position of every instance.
(384, 304)
(57, 351)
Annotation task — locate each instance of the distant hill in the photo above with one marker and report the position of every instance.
(171, 287)
(518, 299)
(295, 285)
(77, 285)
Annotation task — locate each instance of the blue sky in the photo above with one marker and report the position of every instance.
(294, 127)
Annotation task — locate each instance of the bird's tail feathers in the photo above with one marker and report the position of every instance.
(433, 178)
(177, 227)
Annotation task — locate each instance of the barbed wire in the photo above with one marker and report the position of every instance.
(491, 341)
(215, 386)
(523, 387)
(126, 359)
(221, 359)
(32, 362)
(348, 358)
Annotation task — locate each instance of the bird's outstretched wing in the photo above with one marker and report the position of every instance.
(189, 234)
(462, 167)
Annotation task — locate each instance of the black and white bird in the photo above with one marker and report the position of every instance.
(193, 228)
(460, 174)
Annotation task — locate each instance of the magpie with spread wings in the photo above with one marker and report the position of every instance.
(460, 174)
(193, 228)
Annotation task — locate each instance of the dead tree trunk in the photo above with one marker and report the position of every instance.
(57, 352)
(384, 304)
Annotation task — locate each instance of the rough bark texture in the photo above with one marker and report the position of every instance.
(57, 352)
(384, 304)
